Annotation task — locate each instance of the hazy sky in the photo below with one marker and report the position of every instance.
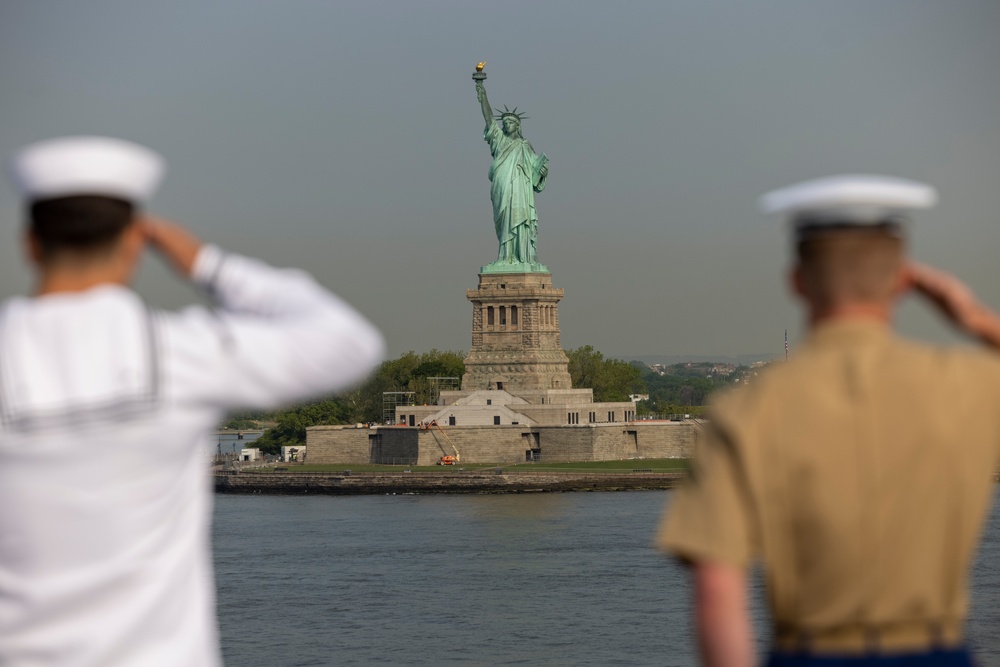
(346, 138)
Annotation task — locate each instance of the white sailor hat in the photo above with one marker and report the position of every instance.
(849, 201)
(87, 165)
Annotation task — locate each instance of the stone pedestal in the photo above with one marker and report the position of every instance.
(515, 334)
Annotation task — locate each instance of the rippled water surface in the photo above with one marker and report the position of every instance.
(537, 579)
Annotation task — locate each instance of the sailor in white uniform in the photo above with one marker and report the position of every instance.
(105, 405)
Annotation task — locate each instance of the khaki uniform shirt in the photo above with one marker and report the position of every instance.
(859, 473)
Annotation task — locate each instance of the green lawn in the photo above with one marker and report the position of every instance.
(653, 465)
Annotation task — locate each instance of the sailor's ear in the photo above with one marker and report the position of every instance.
(133, 239)
(135, 232)
(31, 248)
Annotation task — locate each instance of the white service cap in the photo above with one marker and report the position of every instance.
(850, 199)
(85, 165)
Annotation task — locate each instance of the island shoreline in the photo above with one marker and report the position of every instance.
(488, 481)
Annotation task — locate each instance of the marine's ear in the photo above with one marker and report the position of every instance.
(902, 283)
(796, 281)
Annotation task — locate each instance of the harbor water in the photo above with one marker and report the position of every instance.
(532, 579)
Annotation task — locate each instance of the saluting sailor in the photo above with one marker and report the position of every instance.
(838, 470)
(105, 405)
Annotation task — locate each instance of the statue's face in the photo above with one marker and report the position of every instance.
(510, 125)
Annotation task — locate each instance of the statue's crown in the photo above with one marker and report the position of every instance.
(510, 113)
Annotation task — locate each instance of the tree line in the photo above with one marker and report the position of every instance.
(686, 387)
(681, 390)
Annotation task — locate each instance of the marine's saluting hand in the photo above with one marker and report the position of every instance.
(956, 301)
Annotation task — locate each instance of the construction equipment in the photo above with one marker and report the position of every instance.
(446, 460)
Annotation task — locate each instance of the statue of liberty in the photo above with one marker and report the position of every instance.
(516, 174)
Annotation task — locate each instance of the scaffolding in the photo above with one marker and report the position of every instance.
(439, 384)
(393, 399)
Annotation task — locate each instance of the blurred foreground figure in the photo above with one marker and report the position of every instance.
(105, 406)
(859, 472)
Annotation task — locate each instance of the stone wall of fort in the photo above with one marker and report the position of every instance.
(672, 440)
(337, 444)
(501, 444)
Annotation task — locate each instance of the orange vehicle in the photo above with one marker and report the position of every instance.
(446, 460)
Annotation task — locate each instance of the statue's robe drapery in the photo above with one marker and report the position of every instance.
(515, 177)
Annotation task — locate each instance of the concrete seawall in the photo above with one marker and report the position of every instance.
(475, 481)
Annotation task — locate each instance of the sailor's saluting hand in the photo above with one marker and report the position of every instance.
(173, 242)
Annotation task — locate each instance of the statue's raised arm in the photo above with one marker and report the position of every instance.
(484, 102)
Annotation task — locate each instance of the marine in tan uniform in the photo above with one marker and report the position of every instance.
(858, 473)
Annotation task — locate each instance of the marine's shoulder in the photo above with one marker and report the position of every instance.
(761, 392)
(960, 357)
(737, 402)
(763, 379)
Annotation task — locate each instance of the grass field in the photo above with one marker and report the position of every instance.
(644, 465)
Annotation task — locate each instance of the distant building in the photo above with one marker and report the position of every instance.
(250, 454)
(293, 454)
(229, 443)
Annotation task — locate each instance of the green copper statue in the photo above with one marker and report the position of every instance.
(516, 174)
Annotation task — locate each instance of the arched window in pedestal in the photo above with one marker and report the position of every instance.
(513, 316)
(489, 316)
(503, 316)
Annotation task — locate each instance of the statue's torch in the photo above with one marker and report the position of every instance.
(479, 75)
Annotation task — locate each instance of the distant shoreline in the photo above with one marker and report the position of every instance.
(483, 481)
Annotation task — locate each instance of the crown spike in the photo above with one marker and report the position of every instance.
(507, 112)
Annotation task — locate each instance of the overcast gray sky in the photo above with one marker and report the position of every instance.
(346, 138)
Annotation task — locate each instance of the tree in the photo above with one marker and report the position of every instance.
(244, 420)
(585, 366)
(290, 427)
(611, 379)
(408, 372)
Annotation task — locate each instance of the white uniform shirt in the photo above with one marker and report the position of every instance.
(105, 496)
